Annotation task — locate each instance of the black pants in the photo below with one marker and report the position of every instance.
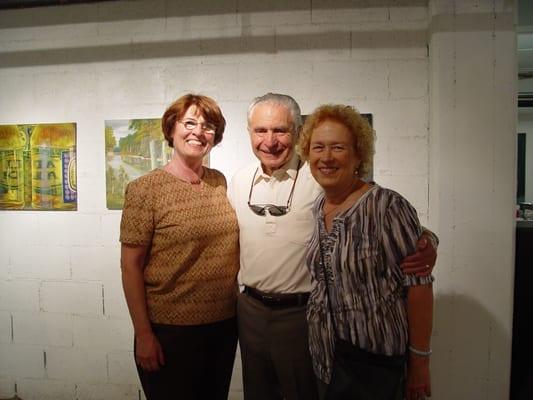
(360, 375)
(275, 355)
(198, 362)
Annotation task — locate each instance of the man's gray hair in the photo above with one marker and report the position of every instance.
(283, 100)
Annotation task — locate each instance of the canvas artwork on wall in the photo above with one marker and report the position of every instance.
(133, 148)
(38, 167)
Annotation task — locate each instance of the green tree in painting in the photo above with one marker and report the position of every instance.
(143, 130)
(147, 128)
(110, 141)
(116, 182)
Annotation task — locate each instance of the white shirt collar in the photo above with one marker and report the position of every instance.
(289, 169)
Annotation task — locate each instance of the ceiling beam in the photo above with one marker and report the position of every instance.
(14, 4)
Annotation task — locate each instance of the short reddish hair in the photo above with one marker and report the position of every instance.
(205, 105)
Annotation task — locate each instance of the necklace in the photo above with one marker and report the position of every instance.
(192, 178)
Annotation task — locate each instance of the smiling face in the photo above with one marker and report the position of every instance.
(270, 128)
(332, 156)
(193, 144)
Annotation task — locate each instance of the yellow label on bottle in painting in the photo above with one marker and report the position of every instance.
(11, 179)
(12, 142)
(52, 183)
(53, 167)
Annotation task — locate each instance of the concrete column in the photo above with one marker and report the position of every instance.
(473, 113)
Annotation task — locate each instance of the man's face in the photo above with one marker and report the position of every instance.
(271, 134)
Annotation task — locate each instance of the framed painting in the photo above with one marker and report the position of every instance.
(133, 147)
(38, 167)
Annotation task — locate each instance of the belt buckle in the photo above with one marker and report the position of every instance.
(276, 301)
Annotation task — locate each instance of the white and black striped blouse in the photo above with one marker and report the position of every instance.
(367, 288)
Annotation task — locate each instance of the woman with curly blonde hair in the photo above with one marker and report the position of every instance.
(363, 310)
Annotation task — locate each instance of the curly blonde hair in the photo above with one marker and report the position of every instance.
(362, 132)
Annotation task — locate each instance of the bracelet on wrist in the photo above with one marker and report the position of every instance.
(420, 352)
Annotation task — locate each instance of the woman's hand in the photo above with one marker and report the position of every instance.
(148, 352)
(418, 378)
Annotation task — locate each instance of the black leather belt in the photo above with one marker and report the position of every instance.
(277, 300)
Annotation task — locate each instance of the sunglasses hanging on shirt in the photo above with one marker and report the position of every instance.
(274, 210)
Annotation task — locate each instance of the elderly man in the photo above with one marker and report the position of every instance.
(273, 200)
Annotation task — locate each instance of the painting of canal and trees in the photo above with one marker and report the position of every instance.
(133, 148)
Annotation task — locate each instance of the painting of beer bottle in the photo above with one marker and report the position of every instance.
(26, 155)
(12, 143)
(53, 167)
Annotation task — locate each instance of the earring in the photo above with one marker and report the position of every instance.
(356, 172)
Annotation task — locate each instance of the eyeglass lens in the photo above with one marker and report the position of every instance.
(261, 209)
(190, 125)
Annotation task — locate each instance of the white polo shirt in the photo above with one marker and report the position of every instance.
(272, 249)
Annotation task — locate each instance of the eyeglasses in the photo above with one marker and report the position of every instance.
(191, 124)
(275, 211)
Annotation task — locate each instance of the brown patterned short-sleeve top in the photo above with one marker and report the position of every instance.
(191, 270)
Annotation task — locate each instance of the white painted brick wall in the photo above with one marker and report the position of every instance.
(19, 295)
(7, 387)
(107, 391)
(403, 43)
(96, 263)
(46, 389)
(14, 230)
(76, 298)
(122, 367)
(43, 262)
(409, 161)
(77, 364)
(63, 229)
(4, 266)
(408, 79)
(21, 361)
(200, 15)
(324, 11)
(46, 329)
(5, 327)
(411, 13)
(399, 118)
(236, 380)
(270, 12)
(111, 228)
(107, 334)
(60, 285)
(114, 301)
(348, 80)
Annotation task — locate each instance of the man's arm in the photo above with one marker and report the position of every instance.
(422, 261)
